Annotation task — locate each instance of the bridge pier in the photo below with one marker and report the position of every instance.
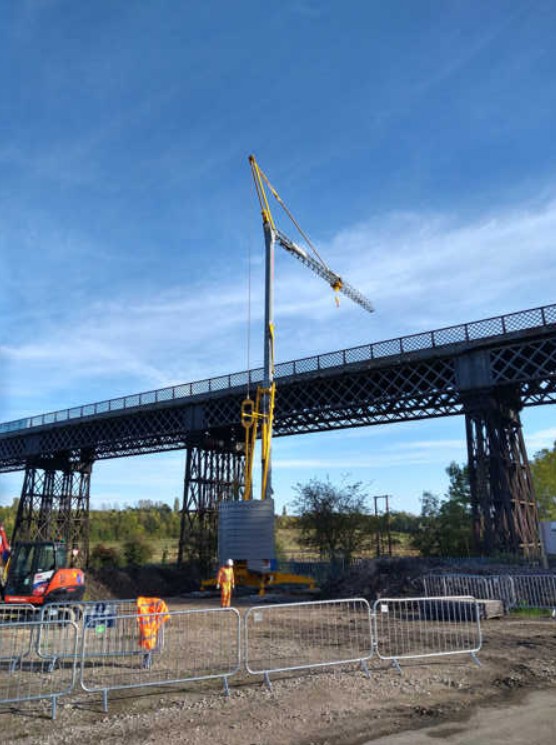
(54, 502)
(504, 510)
(214, 472)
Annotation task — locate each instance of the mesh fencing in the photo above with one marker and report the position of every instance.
(103, 646)
(514, 590)
(426, 627)
(189, 645)
(24, 674)
(304, 635)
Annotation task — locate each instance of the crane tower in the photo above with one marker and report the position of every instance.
(246, 528)
(261, 411)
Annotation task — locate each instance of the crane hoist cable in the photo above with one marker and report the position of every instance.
(262, 175)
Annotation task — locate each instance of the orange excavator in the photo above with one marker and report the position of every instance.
(39, 572)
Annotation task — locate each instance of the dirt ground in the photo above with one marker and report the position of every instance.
(326, 707)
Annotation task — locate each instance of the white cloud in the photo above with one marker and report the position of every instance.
(397, 454)
(544, 438)
(439, 266)
(167, 338)
(422, 271)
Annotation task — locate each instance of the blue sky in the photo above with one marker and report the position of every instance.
(414, 141)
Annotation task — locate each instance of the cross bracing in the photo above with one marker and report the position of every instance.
(520, 325)
(486, 371)
(392, 381)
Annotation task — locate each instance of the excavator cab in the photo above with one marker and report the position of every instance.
(39, 573)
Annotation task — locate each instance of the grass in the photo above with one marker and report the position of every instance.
(531, 612)
(162, 548)
(290, 545)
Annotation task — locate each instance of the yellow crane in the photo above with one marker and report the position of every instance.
(261, 411)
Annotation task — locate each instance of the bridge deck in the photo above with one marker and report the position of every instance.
(417, 376)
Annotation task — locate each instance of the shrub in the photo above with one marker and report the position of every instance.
(137, 551)
(105, 556)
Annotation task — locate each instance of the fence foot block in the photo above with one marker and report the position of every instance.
(363, 665)
(267, 682)
(226, 688)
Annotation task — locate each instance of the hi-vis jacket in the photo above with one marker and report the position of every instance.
(153, 613)
(225, 576)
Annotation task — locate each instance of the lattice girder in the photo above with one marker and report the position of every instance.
(417, 386)
(214, 472)
(54, 504)
(503, 500)
(422, 376)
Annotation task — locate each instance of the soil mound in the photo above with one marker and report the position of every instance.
(149, 580)
(399, 577)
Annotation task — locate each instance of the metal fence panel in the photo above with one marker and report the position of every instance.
(24, 676)
(534, 590)
(11, 613)
(198, 644)
(514, 590)
(482, 587)
(426, 627)
(94, 610)
(89, 615)
(305, 635)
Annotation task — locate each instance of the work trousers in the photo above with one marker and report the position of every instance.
(225, 595)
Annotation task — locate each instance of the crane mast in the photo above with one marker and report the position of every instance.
(261, 411)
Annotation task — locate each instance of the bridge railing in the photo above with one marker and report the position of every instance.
(466, 332)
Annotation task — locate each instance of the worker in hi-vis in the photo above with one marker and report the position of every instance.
(225, 582)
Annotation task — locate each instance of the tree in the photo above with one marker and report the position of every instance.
(445, 528)
(427, 537)
(333, 519)
(403, 522)
(543, 471)
(459, 490)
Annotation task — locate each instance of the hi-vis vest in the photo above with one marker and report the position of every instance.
(153, 612)
(225, 576)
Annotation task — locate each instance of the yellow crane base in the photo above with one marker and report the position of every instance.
(246, 578)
